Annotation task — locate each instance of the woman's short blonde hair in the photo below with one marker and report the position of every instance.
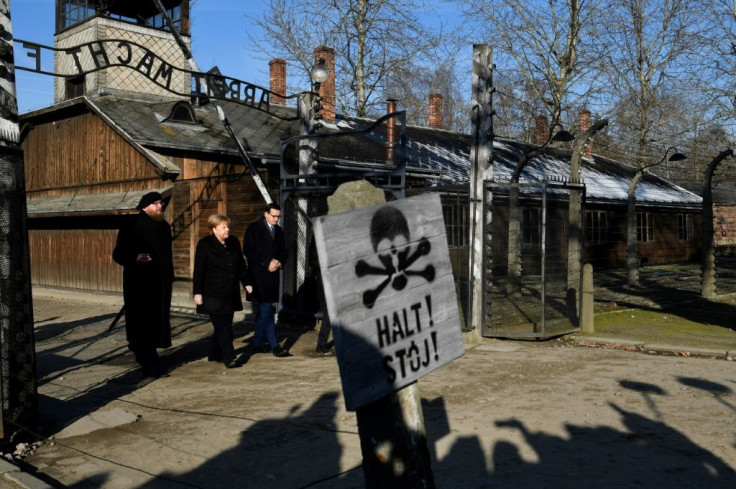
(216, 219)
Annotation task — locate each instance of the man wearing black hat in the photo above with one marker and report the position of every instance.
(143, 248)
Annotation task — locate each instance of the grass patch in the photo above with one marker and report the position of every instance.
(645, 326)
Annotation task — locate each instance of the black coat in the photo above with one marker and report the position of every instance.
(260, 248)
(218, 272)
(146, 286)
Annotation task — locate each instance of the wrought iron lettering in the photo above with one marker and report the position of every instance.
(123, 53)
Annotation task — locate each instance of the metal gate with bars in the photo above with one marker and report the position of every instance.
(527, 292)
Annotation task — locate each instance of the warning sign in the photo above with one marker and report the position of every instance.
(390, 295)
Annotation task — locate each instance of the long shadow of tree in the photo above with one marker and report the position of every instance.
(58, 363)
(304, 449)
(649, 453)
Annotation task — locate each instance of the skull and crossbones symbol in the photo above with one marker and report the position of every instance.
(390, 238)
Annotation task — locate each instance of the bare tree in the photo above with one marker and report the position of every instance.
(514, 103)
(648, 47)
(412, 84)
(372, 39)
(721, 38)
(544, 41)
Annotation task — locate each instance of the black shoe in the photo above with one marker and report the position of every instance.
(232, 364)
(280, 352)
(323, 349)
(156, 374)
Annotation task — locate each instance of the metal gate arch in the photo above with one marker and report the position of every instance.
(304, 196)
(534, 302)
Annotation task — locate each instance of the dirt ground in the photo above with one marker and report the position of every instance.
(506, 414)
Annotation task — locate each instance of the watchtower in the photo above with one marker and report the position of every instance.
(127, 43)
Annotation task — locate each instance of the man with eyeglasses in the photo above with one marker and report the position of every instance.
(264, 247)
(143, 248)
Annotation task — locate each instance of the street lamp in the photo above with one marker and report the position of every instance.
(632, 249)
(676, 156)
(309, 107)
(562, 136)
(319, 73)
(575, 219)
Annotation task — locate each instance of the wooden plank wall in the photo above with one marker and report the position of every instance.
(179, 213)
(84, 154)
(77, 258)
(245, 204)
(80, 154)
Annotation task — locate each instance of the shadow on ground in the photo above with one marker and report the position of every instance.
(303, 450)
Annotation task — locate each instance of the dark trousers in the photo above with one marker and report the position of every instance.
(265, 327)
(221, 341)
(323, 336)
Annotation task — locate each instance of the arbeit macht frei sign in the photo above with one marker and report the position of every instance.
(390, 295)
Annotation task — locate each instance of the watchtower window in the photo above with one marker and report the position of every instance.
(75, 11)
(72, 12)
(74, 87)
(158, 22)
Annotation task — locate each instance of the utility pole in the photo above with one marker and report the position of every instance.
(708, 282)
(575, 237)
(18, 390)
(481, 169)
(307, 162)
(309, 115)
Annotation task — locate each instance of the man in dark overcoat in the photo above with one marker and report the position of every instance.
(143, 248)
(264, 246)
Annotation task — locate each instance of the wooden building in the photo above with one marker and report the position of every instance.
(116, 133)
(130, 117)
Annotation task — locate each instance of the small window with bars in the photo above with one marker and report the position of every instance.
(644, 227)
(596, 226)
(531, 226)
(685, 227)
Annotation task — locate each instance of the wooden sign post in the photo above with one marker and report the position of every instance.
(391, 301)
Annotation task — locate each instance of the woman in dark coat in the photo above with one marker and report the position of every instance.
(219, 269)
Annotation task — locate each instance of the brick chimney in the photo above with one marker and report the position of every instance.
(584, 122)
(390, 133)
(277, 71)
(435, 111)
(541, 130)
(327, 89)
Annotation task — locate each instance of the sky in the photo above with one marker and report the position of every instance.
(220, 37)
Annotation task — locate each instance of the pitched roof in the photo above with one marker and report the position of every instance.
(444, 154)
(91, 204)
(606, 180)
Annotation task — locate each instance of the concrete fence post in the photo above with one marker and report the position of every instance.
(587, 317)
